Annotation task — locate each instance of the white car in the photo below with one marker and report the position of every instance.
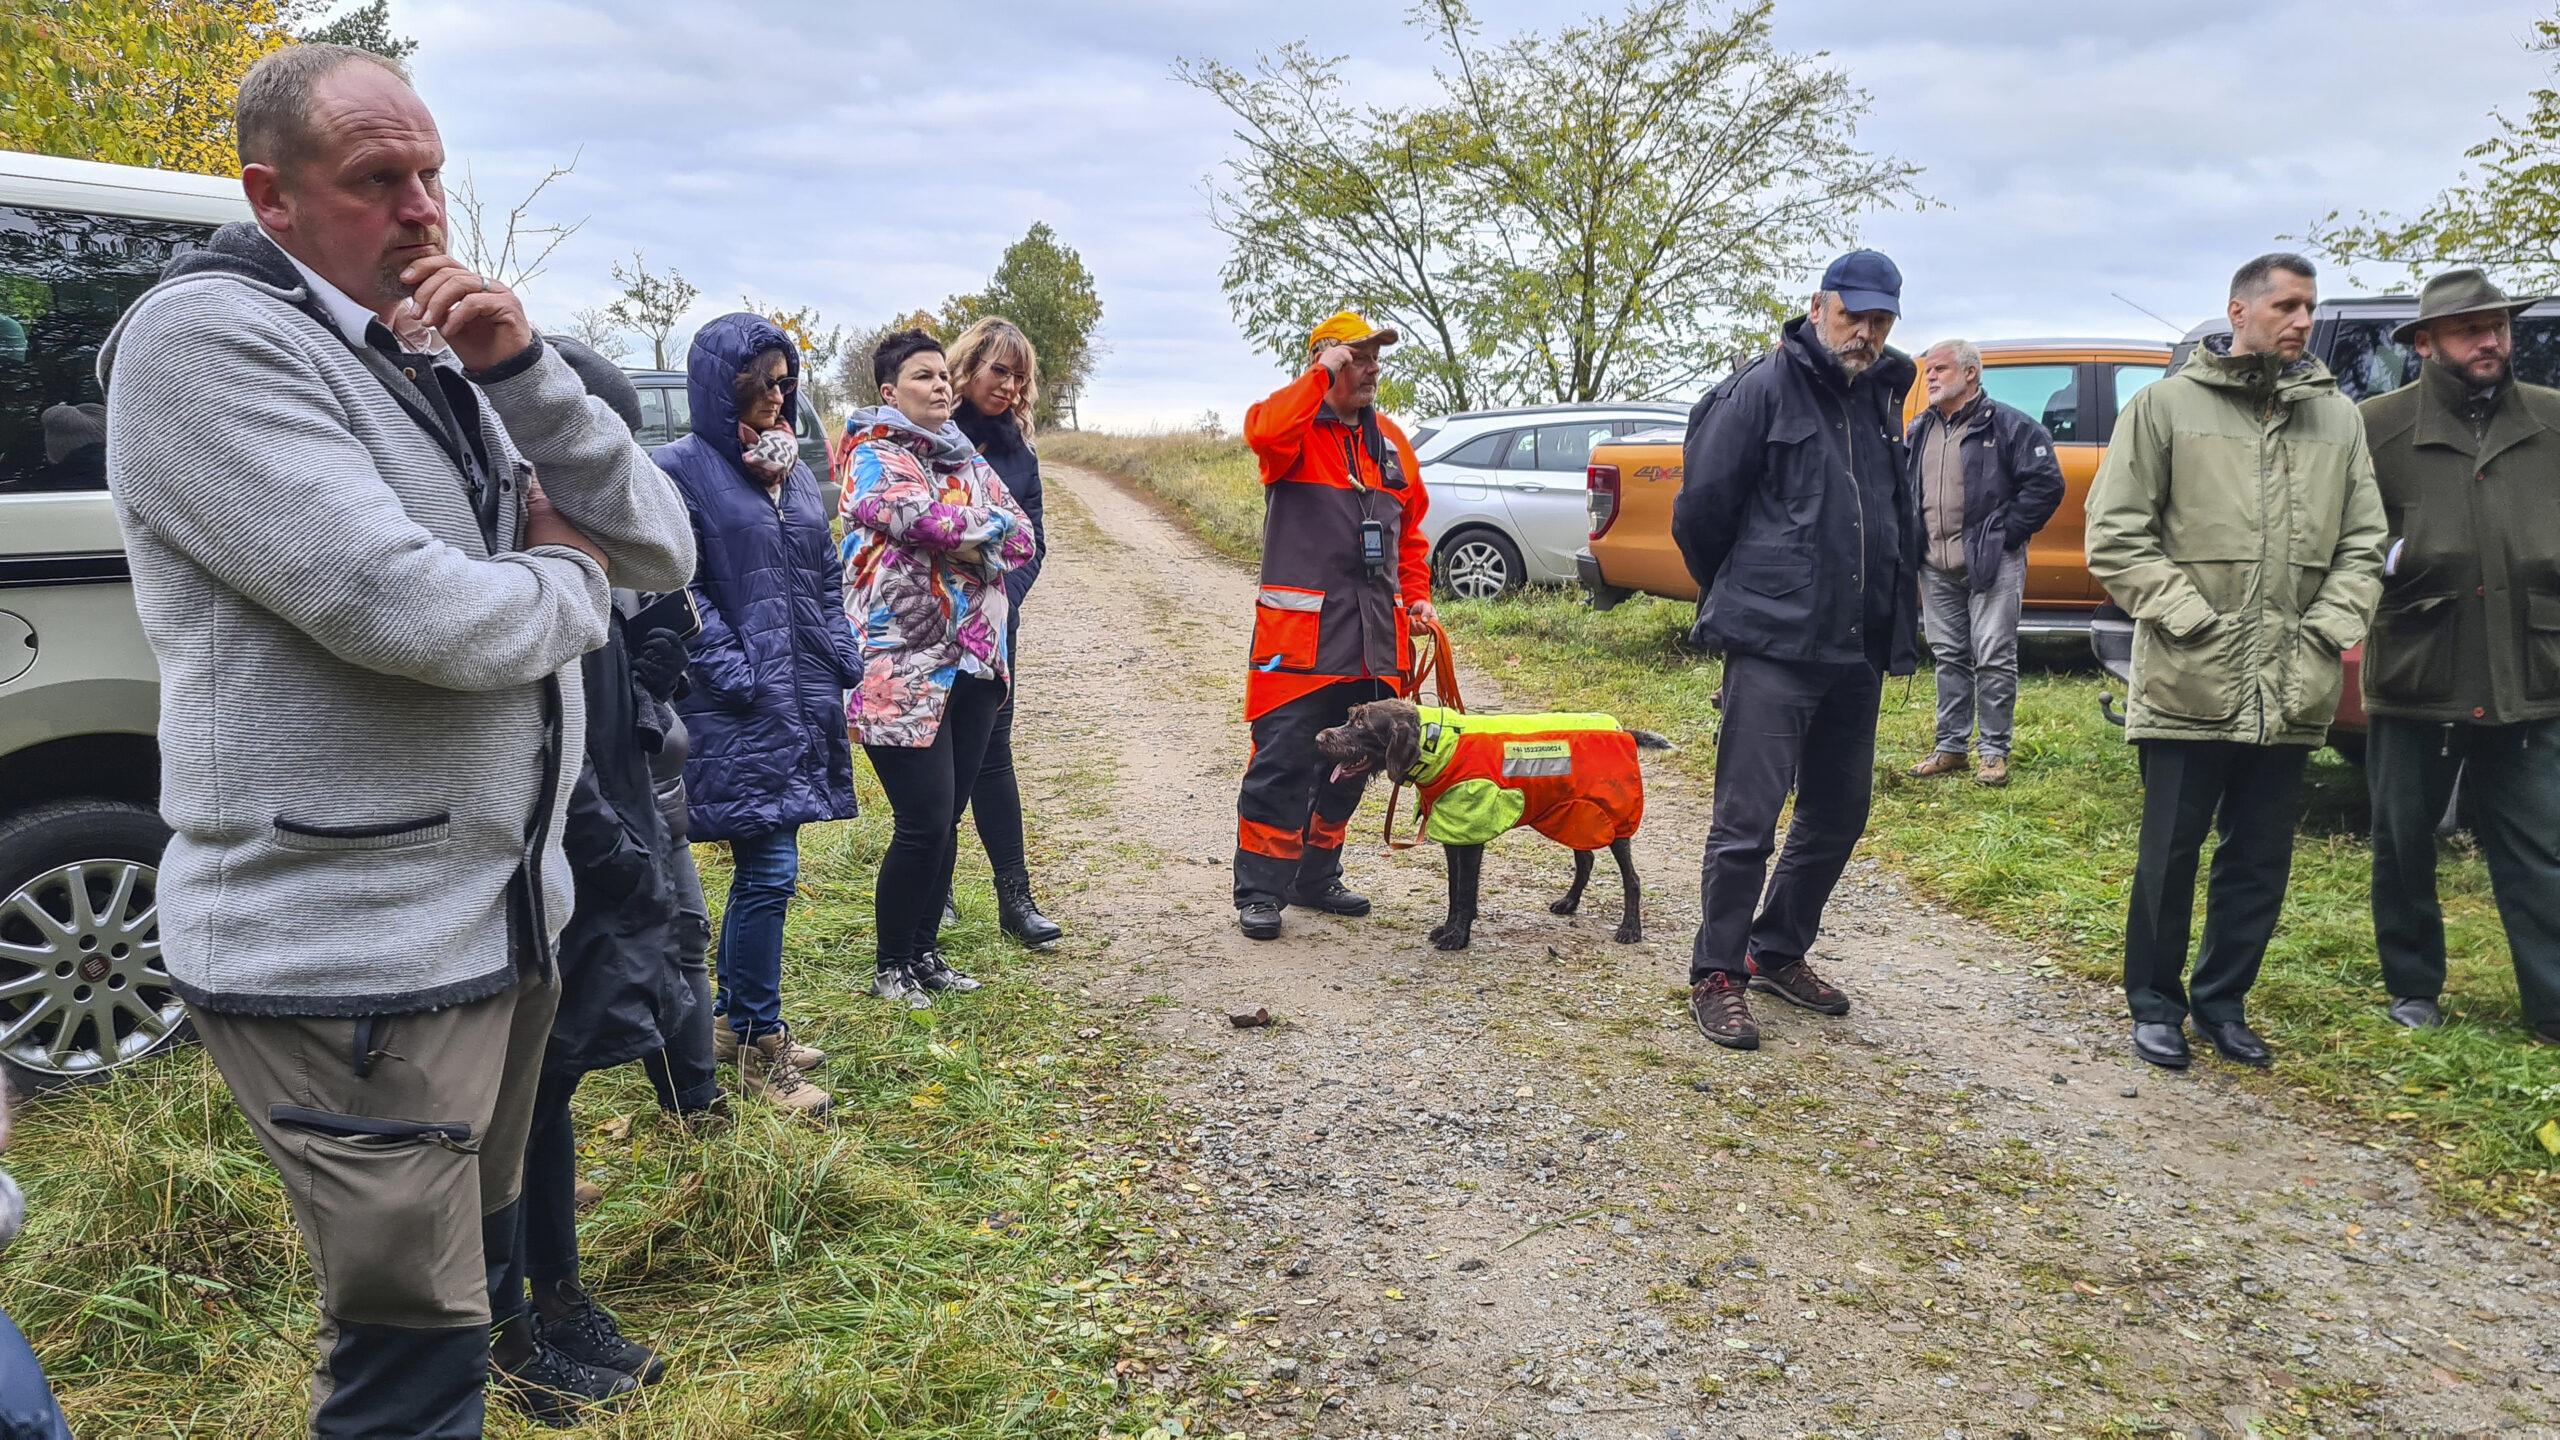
(1508, 506)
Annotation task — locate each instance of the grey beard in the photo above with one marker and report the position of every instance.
(1851, 365)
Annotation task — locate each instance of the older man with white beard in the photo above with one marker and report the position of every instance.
(1797, 518)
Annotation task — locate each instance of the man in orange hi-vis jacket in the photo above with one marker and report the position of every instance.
(1346, 582)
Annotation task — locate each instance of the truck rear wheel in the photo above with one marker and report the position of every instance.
(83, 989)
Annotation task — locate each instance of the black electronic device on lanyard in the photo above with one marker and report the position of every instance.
(1373, 548)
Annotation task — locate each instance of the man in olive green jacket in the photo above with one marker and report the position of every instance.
(2236, 520)
(2462, 672)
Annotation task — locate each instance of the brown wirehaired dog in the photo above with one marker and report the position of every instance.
(1573, 778)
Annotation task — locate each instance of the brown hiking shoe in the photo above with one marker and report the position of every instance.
(1940, 762)
(765, 1072)
(1723, 1012)
(724, 1048)
(1795, 983)
(1994, 771)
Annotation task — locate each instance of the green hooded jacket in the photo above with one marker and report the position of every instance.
(2236, 519)
(2469, 632)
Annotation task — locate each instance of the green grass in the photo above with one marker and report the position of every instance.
(1211, 483)
(970, 1248)
(2046, 862)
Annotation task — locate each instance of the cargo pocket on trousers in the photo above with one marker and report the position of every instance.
(1285, 622)
(2542, 645)
(2410, 654)
(391, 1211)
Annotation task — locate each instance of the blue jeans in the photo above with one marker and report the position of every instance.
(760, 889)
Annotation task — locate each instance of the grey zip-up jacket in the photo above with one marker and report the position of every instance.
(368, 722)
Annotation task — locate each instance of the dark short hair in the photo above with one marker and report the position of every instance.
(896, 351)
(749, 380)
(2253, 277)
(271, 119)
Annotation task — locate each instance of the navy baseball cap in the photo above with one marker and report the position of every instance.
(1865, 280)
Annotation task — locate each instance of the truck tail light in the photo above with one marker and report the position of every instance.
(1602, 483)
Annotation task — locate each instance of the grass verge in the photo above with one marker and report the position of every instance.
(2047, 860)
(975, 1246)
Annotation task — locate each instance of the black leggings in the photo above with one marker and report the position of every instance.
(548, 1243)
(997, 799)
(924, 784)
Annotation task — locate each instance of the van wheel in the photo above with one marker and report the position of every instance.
(83, 989)
(1480, 564)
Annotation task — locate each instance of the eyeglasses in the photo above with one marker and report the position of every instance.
(774, 382)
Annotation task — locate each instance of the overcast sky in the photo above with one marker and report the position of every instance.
(872, 158)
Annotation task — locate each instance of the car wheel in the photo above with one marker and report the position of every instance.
(83, 989)
(1480, 564)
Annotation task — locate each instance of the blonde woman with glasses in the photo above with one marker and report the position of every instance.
(996, 373)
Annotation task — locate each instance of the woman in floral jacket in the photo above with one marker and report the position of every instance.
(929, 532)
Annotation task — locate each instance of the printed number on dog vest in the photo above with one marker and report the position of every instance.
(1523, 759)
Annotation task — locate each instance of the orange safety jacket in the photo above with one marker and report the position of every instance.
(1571, 777)
(1323, 616)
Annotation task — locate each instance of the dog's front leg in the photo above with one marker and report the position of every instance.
(1466, 872)
(1631, 924)
(1572, 900)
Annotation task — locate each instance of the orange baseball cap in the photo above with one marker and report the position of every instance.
(1347, 328)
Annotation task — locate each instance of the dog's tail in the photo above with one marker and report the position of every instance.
(1648, 740)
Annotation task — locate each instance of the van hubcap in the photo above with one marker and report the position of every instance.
(83, 988)
(1477, 570)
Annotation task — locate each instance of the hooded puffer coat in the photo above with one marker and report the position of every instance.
(765, 717)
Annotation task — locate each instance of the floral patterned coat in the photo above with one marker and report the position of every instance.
(920, 610)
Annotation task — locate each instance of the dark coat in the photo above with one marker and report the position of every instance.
(766, 714)
(2012, 482)
(621, 994)
(1010, 455)
(1770, 515)
(2469, 628)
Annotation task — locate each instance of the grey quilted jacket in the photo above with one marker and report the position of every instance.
(363, 711)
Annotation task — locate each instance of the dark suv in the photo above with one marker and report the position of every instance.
(2352, 336)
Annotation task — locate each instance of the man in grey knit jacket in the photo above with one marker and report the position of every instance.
(370, 540)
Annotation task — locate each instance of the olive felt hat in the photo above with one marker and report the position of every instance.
(2466, 291)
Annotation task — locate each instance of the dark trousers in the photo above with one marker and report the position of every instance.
(1810, 729)
(925, 784)
(1291, 814)
(996, 799)
(2251, 797)
(551, 1185)
(2511, 779)
(683, 1073)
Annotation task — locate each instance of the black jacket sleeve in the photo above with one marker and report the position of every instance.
(602, 855)
(2035, 475)
(1720, 465)
(1017, 581)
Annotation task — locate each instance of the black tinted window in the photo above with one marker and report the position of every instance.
(2368, 362)
(1480, 452)
(64, 278)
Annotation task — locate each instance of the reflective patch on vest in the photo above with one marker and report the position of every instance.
(1535, 759)
(1282, 598)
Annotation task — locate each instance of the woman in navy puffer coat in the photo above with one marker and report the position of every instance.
(766, 710)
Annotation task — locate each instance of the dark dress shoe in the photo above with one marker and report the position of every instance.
(1334, 898)
(2234, 1041)
(1018, 915)
(2162, 1045)
(1260, 922)
(2416, 1013)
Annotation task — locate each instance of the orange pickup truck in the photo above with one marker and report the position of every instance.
(2074, 387)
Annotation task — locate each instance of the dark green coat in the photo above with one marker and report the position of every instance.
(2469, 630)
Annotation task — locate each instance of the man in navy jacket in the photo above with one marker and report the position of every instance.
(1797, 519)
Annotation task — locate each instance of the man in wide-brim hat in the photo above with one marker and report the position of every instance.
(2462, 670)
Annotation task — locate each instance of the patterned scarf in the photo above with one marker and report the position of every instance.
(769, 456)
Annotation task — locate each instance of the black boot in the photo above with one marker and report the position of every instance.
(1019, 914)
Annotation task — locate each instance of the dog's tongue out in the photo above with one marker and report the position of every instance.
(1338, 772)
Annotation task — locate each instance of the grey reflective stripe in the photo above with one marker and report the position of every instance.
(1279, 599)
(1536, 766)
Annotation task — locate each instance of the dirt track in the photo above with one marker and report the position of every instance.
(1511, 1192)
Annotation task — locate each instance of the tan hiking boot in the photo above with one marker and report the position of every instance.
(765, 1072)
(1994, 771)
(724, 1048)
(1941, 762)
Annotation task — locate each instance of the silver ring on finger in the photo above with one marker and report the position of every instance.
(484, 284)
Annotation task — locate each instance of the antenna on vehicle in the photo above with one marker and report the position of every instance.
(2178, 330)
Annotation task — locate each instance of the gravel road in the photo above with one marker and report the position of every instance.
(1510, 1192)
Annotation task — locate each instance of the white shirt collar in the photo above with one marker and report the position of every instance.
(350, 317)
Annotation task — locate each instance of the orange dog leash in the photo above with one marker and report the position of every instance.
(1437, 662)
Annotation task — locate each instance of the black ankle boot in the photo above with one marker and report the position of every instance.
(1019, 914)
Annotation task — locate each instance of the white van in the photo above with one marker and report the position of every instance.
(82, 985)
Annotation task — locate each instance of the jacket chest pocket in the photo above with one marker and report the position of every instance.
(1285, 622)
(2313, 469)
(2542, 644)
(2410, 655)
